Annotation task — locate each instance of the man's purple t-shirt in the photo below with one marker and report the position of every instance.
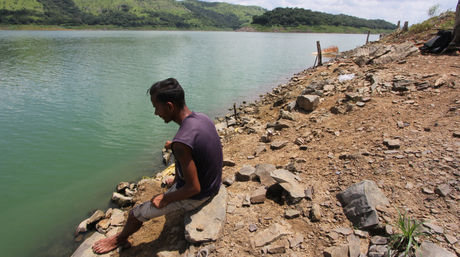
(198, 132)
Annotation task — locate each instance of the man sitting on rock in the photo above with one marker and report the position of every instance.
(198, 153)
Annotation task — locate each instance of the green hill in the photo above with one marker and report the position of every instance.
(188, 14)
(172, 14)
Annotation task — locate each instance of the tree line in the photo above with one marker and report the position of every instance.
(298, 16)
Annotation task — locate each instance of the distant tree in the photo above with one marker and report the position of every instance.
(433, 10)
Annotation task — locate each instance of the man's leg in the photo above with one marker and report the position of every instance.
(110, 243)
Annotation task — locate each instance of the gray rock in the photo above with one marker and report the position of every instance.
(336, 251)
(291, 214)
(288, 182)
(205, 223)
(428, 249)
(278, 145)
(315, 213)
(359, 203)
(451, 239)
(443, 190)
(253, 227)
(308, 102)
(228, 181)
(246, 173)
(263, 174)
(122, 200)
(258, 195)
(269, 235)
(379, 240)
(392, 143)
(291, 106)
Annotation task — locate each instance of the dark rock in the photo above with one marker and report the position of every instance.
(359, 203)
(229, 163)
(278, 145)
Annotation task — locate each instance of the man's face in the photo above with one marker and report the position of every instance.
(164, 110)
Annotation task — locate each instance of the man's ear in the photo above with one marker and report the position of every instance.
(170, 106)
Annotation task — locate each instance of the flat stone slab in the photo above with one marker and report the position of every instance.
(269, 235)
(206, 223)
(428, 249)
(85, 249)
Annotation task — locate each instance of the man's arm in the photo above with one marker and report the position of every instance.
(183, 155)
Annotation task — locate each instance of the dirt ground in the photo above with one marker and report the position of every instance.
(342, 149)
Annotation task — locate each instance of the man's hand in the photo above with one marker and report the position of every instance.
(159, 201)
(168, 145)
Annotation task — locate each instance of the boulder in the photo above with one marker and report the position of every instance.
(85, 249)
(308, 102)
(428, 249)
(117, 218)
(205, 223)
(359, 203)
(122, 186)
(246, 173)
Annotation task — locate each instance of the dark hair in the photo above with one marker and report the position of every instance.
(168, 90)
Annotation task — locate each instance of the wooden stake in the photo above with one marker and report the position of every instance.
(367, 39)
(234, 111)
(320, 61)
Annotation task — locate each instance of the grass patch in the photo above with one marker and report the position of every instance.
(405, 241)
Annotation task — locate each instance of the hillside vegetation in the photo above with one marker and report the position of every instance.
(188, 14)
(301, 19)
(172, 14)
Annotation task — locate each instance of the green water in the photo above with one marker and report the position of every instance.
(75, 119)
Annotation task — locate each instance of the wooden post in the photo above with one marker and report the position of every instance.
(399, 25)
(406, 26)
(318, 46)
(367, 39)
(234, 111)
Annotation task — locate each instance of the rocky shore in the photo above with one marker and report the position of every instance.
(324, 165)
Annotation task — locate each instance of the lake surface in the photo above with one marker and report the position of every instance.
(75, 119)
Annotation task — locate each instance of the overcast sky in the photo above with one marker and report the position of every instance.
(414, 11)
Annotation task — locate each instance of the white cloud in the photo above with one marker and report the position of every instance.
(414, 11)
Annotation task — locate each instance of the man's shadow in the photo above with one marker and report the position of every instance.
(171, 237)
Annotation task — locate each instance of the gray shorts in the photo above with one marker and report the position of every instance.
(147, 211)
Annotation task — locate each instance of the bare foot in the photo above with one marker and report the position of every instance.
(107, 244)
